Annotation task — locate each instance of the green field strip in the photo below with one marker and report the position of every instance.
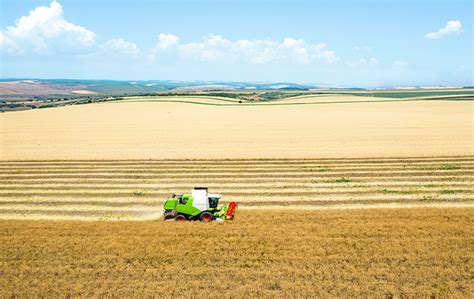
(302, 103)
(404, 94)
(383, 94)
(173, 98)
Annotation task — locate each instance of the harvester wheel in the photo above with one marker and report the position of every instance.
(180, 218)
(206, 217)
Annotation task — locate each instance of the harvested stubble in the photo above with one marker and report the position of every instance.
(130, 189)
(406, 252)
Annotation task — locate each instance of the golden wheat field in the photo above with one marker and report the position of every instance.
(264, 253)
(135, 189)
(162, 130)
(343, 199)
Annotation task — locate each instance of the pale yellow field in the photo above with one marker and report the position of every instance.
(406, 253)
(345, 200)
(135, 189)
(142, 130)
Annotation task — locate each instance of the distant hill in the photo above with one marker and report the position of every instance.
(71, 87)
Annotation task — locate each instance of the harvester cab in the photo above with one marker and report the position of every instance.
(199, 205)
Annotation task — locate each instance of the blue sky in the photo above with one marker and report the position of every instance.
(351, 43)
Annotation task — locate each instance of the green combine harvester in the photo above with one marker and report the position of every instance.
(199, 205)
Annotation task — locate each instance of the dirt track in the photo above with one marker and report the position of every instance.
(135, 189)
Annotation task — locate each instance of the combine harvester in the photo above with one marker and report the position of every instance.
(199, 205)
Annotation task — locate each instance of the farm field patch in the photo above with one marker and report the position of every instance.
(135, 189)
(264, 253)
(157, 130)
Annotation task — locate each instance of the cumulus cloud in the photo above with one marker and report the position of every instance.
(119, 45)
(450, 28)
(257, 51)
(7, 45)
(289, 42)
(167, 40)
(44, 29)
(298, 49)
(322, 52)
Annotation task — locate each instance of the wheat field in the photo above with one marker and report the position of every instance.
(160, 130)
(334, 199)
(135, 189)
(264, 253)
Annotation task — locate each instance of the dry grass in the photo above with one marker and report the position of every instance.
(177, 130)
(408, 252)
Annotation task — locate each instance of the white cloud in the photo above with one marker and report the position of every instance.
(212, 48)
(450, 28)
(289, 42)
(45, 30)
(7, 45)
(165, 43)
(119, 45)
(301, 55)
(297, 49)
(319, 47)
(258, 51)
(328, 56)
(262, 56)
(113, 51)
(167, 40)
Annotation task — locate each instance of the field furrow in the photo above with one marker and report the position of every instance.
(135, 189)
(248, 174)
(246, 170)
(131, 187)
(231, 192)
(222, 164)
(123, 200)
(223, 180)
